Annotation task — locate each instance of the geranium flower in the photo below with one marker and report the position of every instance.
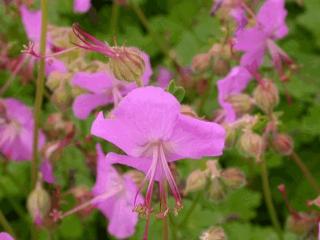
(32, 24)
(121, 191)
(234, 83)
(103, 88)
(81, 6)
(148, 126)
(16, 130)
(270, 26)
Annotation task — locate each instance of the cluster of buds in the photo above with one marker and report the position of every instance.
(241, 103)
(219, 182)
(56, 126)
(217, 58)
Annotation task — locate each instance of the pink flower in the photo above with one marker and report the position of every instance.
(164, 77)
(270, 26)
(148, 126)
(114, 197)
(103, 88)
(81, 6)
(32, 24)
(234, 83)
(5, 236)
(16, 130)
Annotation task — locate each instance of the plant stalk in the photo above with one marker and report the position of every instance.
(39, 93)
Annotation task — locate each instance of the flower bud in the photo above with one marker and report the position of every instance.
(38, 203)
(241, 103)
(283, 144)
(212, 169)
(217, 191)
(127, 65)
(221, 67)
(251, 144)
(213, 233)
(266, 96)
(196, 181)
(233, 178)
(201, 62)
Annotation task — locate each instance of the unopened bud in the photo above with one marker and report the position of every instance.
(283, 144)
(217, 191)
(213, 233)
(241, 103)
(300, 224)
(38, 203)
(213, 170)
(196, 181)
(201, 62)
(251, 144)
(221, 67)
(266, 96)
(233, 178)
(128, 64)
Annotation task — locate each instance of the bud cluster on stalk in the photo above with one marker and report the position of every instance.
(213, 233)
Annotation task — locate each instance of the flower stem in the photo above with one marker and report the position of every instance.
(268, 198)
(114, 18)
(39, 93)
(305, 171)
(5, 224)
(191, 209)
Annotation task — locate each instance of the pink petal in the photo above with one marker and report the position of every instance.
(53, 65)
(95, 82)
(194, 138)
(235, 82)
(85, 103)
(32, 23)
(47, 172)
(81, 6)
(5, 236)
(164, 77)
(272, 17)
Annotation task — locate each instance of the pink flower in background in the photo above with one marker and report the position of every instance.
(164, 77)
(114, 197)
(5, 236)
(270, 26)
(234, 83)
(32, 24)
(148, 126)
(16, 130)
(103, 88)
(81, 6)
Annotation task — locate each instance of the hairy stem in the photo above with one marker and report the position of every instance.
(5, 224)
(268, 198)
(305, 171)
(39, 93)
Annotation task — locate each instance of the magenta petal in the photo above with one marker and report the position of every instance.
(95, 82)
(194, 138)
(47, 172)
(32, 23)
(239, 15)
(81, 6)
(118, 208)
(164, 77)
(18, 110)
(144, 115)
(235, 82)
(53, 65)
(148, 69)
(85, 103)
(272, 17)
(5, 236)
